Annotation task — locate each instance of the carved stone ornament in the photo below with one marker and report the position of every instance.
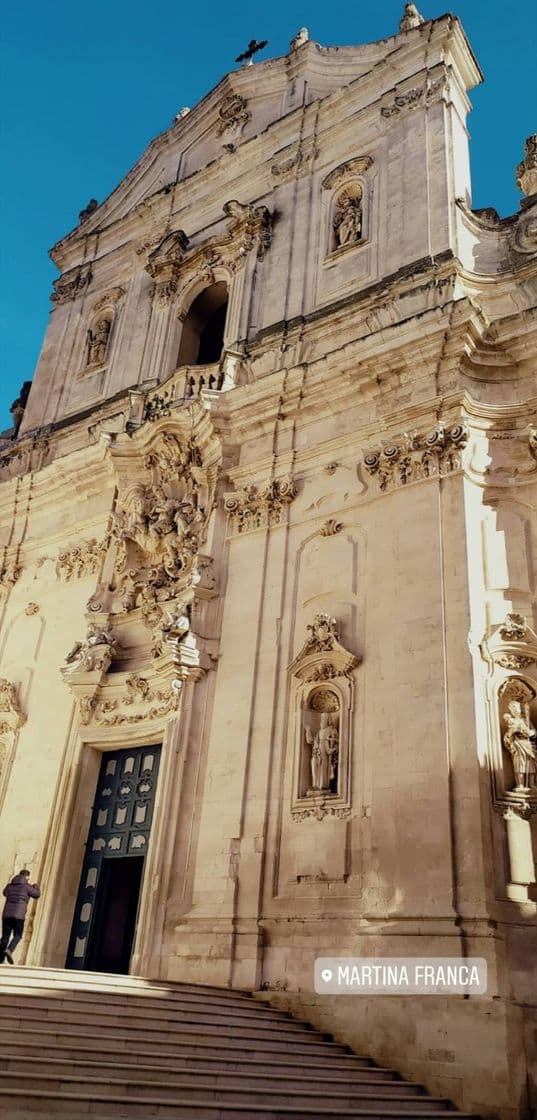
(512, 645)
(523, 236)
(233, 114)
(11, 720)
(416, 98)
(294, 160)
(80, 560)
(9, 574)
(71, 284)
(137, 701)
(411, 18)
(299, 39)
(173, 266)
(312, 663)
(351, 168)
(526, 172)
(416, 457)
(322, 690)
(159, 525)
(259, 507)
(95, 652)
(108, 299)
(11, 716)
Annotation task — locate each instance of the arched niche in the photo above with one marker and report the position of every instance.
(202, 336)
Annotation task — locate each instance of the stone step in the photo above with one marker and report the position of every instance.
(216, 1043)
(120, 1088)
(12, 995)
(117, 987)
(138, 1013)
(26, 1105)
(345, 1065)
(11, 1063)
(181, 1030)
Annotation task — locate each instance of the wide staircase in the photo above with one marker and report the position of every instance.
(85, 1044)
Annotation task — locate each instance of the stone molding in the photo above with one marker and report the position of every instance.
(414, 458)
(259, 507)
(351, 168)
(295, 160)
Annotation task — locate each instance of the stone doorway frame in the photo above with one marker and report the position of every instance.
(60, 870)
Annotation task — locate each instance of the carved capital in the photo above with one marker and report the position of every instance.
(80, 560)
(259, 507)
(417, 457)
(71, 284)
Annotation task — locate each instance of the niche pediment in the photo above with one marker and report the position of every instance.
(322, 656)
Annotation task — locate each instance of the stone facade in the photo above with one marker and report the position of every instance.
(306, 568)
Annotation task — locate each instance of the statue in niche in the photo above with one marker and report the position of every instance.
(98, 341)
(321, 733)
(520, 740)
(347, 222)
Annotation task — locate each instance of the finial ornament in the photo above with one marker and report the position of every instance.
(301, 37)
(182, 113)
(411, 18)
(526, 172)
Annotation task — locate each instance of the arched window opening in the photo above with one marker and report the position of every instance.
(202, 338)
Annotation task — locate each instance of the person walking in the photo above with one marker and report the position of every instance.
(17, 894)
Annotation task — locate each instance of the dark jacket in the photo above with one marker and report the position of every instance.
(17, 894)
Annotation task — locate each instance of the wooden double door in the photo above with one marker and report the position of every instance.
(106, 911)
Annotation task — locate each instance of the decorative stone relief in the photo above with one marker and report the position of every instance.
(95, 652)
(174, 267)
(417, 457)
(331, 527)
(163, 266)
(322, 688)
(416, 98)
(80, 560)
(11, 716)
(11, 720)
(526, 172)
(523, 236)
(294, 160)
(149, 703)
(259, 507)
(72, 284)
(9, 575)
(233, 115)
(513, 645)
(159, 525)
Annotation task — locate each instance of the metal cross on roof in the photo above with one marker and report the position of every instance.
(253, 46)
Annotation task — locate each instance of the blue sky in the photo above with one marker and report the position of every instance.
(85, 86)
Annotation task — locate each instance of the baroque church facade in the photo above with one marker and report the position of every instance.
(268, 575)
